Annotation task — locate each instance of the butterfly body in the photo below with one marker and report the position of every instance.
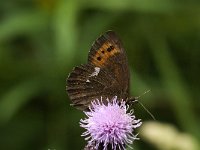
(104, 76)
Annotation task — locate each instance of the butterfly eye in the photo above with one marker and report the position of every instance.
(99, 58)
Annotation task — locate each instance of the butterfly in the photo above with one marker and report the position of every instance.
(105, 75)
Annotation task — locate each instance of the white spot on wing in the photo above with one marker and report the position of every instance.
(96, 72)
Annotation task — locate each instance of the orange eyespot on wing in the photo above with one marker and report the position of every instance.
(101, 56)
(105, 47)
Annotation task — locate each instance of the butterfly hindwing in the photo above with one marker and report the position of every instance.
(83, 85)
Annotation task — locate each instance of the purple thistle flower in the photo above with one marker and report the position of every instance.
(109, 125)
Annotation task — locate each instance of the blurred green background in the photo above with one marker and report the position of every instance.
(42, 40)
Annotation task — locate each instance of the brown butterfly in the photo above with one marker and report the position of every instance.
(105, 75)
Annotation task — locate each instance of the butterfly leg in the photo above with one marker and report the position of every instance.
(131, 100)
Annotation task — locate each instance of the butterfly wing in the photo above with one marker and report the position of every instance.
(86, 83)
(108, 53)
(106, 75)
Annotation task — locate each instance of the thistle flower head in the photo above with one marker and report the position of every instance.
(109, 125)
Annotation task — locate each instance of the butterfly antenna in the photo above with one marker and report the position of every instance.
(147, 110)
(152, 116)
(142, 94)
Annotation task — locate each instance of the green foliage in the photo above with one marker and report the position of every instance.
(41, 41)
